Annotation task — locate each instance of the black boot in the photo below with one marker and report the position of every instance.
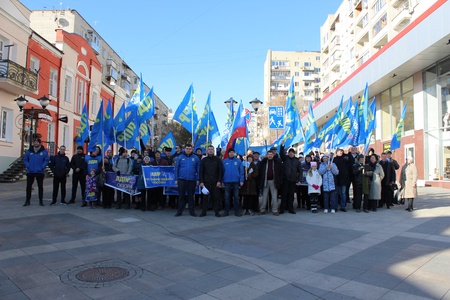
(41, 203)
(26, 203)
(410, 204)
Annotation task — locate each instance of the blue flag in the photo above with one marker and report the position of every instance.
(168, 142)
(144, 132)
(343, 129)
(186, 113)
(372, 123)
(84, 127)
(119, 120)
(129, 137)
(310, 126)
(239, 129)
(352, 137)
(228, 125)
(146, 108)
(108, 124)
(363, 116)
(97, 130)
(207, 128)
(330, 128)
(293, 131)
(137, 97)
(396, 139)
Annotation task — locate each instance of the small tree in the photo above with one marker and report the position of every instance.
(182, 136)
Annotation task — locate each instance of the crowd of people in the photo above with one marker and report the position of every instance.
(249, 184)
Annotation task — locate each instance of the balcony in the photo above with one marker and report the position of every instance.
(401, 20)
(16, 79)
(307, 68)
(397, 3)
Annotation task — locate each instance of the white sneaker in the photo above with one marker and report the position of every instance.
(325, 211)
(333, 211)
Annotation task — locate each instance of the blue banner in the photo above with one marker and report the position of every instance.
(158, 176)
(124, 183)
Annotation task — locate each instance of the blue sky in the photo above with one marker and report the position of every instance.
(219, 46)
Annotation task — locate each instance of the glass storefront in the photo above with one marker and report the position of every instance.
(436, 84)
(392, 101)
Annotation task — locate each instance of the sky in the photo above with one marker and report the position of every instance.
(217, 45)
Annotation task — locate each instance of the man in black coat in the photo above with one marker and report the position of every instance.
(386, 184)
(343, 178)
(291, 179)
(78, 165)
(60, 166)
(211, 170)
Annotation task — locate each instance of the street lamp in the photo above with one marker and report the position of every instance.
(21, 101)
(228, 102)
(256, 104)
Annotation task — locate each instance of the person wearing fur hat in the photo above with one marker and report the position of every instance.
(314, 181)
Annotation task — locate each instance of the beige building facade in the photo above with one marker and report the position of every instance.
(279, 67)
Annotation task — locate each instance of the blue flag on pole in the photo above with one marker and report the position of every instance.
(168, 142)
(84, 127)
(396, 139)
(343, 129)
(144, 132)
(146, 108)
(137, 97)
(363, 115)
(239, 129)
(310, 126)
(97, 130)
(207, 128)
(372, 123)
(293, 131)
(108, 124)
(119, 120)
(186, 113)
(129, 138)
(330, 128)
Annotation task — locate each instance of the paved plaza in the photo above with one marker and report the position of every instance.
(72, 252)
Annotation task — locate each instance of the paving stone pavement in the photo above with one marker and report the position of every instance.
(389, 254)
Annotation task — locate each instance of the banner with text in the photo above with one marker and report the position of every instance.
(158, 176)
(124, 183)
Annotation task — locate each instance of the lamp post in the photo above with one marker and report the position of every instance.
(228, 103)
(256, 104)
(21, 101)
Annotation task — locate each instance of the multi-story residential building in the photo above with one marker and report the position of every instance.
(45, 60)
(118, 80)
(401, 49)
(15, 77)
(279, 68)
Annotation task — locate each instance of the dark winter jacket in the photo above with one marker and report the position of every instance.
(342, 163)
(60, 165)
(78, 162)
(211, 170)
(36, 161)
(277, 172)
(291, 167)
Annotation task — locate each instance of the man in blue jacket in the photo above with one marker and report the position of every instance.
(60, 166)
(187, 168)
(233, 178)
(35, 159)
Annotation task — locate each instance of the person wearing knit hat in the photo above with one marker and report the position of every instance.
(79, 172)
(328, 170)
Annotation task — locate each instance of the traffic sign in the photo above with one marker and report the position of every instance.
(276, 117)
(248, 115)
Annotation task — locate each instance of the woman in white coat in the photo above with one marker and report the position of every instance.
(314, 181)
(410, 188)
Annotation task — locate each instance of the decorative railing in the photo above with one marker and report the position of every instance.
(15, 72)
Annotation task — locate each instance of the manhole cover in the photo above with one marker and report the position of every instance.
(101, 274)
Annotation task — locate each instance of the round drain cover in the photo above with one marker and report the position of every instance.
(102, 274)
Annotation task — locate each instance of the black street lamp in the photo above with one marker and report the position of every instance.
(21, 101)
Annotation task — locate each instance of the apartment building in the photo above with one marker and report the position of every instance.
(279, 67)
(401, 49)
(15, 77)
(119, 81)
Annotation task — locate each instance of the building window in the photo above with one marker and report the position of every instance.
(308, 74)
(316, 70)
(297, 73)
(68, 89)
(318, 58)
(392, 102)
(6, 125)
(53, 82)
(94, 104)
(50, 132)
(297, 64)
(380, 25)
(296, 83)
(307, 64)
(80, 95)
(34, 64)
(1, 49)
(378, 5)
(66, 136)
